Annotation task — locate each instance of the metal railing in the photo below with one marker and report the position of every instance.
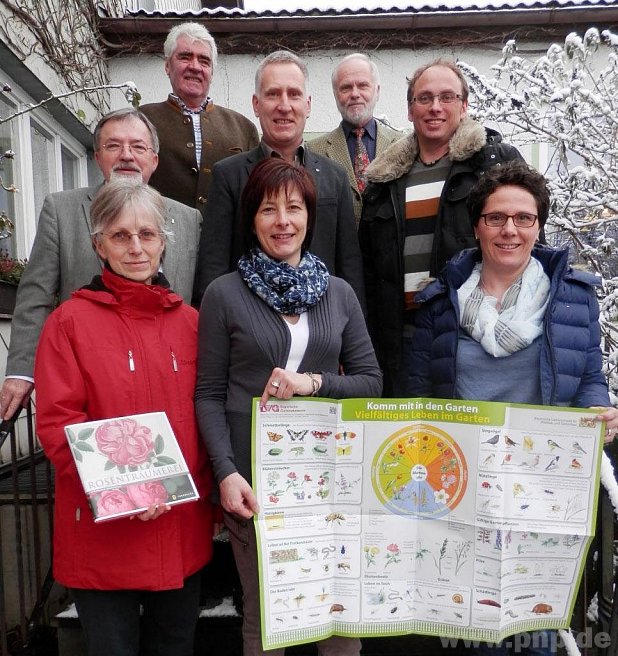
(26, 506)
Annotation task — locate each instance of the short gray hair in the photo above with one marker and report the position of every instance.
(195, 31)
(375, 74)
(281, 57)
(125, 114)
(123, 192)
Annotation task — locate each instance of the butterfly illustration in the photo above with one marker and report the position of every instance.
(344, 450)
(297, 435)
(321, 435)
(274, 437)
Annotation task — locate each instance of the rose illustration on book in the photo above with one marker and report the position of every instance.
(147, 494)
(113, 502)
(124, 441)
(127, 464)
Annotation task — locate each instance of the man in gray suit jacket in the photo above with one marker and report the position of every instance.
(62, 257)
(356, 86)
(282, 104)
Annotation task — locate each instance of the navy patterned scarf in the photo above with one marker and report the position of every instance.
(284, 288)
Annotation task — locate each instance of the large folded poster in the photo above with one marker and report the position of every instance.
(452, 518)
(127, 464)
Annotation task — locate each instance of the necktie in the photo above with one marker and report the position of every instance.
(361, 159)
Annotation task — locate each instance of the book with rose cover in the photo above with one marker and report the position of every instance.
(127, 464)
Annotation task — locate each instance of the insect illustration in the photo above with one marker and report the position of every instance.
(297, 436)
(343, 566)
(321, 435)
(334, 517)
(274, 437)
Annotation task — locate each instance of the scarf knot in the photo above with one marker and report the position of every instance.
(286, 289)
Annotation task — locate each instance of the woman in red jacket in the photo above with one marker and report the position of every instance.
(123, 345)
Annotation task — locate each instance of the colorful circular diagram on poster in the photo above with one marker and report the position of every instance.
(421, 471)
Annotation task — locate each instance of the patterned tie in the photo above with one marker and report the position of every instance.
(361, 159)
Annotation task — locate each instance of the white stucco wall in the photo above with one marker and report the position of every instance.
(234, 79)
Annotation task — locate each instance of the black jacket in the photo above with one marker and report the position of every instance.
(473, 149)
(334, 241)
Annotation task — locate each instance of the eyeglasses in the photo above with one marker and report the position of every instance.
(114, 148)
(498, 219)
(445, 98)
(123, 238)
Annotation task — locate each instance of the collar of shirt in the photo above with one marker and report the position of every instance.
(371, 129)
(299, 157)
(186, 110)
(369, 138)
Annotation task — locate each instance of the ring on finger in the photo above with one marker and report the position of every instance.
(276, 384)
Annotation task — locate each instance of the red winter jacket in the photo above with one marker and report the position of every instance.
(121, 348)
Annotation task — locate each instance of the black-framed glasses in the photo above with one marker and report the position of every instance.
(123, 237)
(115, 147)
(520, 219)
(445, 98)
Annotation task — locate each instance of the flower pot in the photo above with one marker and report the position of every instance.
(8, 296)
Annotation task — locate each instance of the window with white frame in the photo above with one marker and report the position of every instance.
(7, 175)
(47, 159)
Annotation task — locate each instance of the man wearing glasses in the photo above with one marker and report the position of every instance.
(414, 207)
(62, 257)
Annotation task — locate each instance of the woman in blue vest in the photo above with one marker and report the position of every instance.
(511, 321)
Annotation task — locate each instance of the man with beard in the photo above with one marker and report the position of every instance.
(360, 137)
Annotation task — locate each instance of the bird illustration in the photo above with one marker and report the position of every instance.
(493, 440)
(489, 460)
(577, 448)
(575, 464)
(507, 458)
(553, 464)
(509, 442)
(553, 445)
(532, 463)
(528, 443)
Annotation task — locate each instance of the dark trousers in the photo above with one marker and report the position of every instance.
(113, 625)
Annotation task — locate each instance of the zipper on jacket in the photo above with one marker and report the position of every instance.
(131, 361)
(174, 363)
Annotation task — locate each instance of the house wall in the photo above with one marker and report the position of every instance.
(234, 79)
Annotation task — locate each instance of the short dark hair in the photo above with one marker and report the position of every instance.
(267, 179)
(446, 63)
(516, 174)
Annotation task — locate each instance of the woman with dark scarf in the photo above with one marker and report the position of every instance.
(280, 326)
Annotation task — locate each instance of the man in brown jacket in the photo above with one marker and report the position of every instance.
(194, 132)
